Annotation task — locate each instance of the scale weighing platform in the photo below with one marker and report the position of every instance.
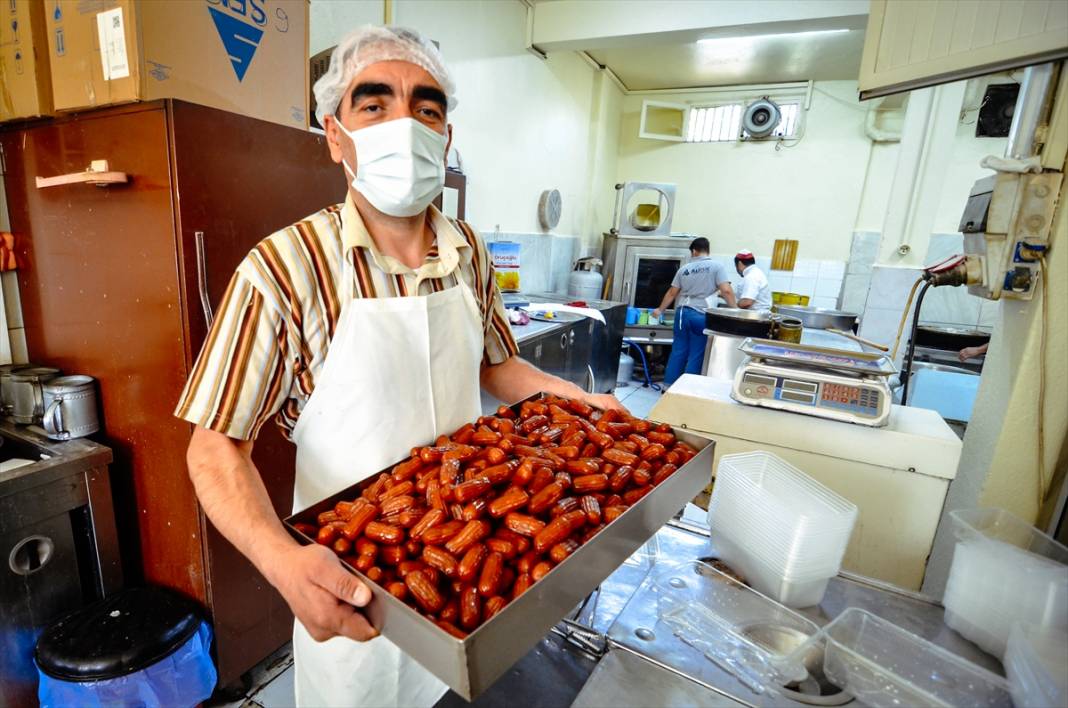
(829, 383)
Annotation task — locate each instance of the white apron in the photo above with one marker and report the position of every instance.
(399, 372)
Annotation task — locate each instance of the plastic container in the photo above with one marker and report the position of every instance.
(1035, 663)
(786, 532)
(792, 591)
(736, 628)
(883, 665)
(1003, 571)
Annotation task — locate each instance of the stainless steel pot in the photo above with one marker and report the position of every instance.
(820, 318)
(70, 407)
(738, 322)
(27, 393)
(7, 400)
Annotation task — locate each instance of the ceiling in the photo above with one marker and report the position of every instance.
(724, 61)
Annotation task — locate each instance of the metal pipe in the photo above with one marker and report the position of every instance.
(1027, 115)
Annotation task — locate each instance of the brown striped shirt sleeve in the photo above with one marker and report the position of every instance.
(242, 376)
(499, 342)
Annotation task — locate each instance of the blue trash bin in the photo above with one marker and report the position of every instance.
(140, 647)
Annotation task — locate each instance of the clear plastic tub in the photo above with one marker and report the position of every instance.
(795, 496)
(885, 666)
(1035, 663)
(792, 591)
(1003, 571)
(735, 627)
(786, 531)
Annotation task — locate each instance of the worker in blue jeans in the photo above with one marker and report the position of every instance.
(693, 289)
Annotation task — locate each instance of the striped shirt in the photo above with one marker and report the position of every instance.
(270, 337)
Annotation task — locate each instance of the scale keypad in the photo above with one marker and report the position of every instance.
(850, 398)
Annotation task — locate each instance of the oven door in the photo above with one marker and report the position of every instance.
(649, 272)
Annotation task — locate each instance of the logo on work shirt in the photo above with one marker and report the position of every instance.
(240, 28)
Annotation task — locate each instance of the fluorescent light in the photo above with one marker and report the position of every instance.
(769, 36)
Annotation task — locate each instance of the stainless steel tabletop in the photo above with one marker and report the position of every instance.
(653, 667)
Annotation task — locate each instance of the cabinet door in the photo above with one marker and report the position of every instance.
(580, 354)
(554, 350)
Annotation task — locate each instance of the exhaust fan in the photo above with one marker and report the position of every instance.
(760, 119)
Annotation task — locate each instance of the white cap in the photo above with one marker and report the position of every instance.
(371, 44)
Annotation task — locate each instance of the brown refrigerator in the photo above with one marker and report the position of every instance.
(116, 281)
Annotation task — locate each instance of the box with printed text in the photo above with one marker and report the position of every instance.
(25, 82)
(244, 56)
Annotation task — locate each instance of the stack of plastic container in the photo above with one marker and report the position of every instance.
(1035, 661)
(1004, 571)
(780, 528)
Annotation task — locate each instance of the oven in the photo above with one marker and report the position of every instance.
(642, 267)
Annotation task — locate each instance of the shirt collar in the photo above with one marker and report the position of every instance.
(700, 258)
(449, 249)
(748, 268)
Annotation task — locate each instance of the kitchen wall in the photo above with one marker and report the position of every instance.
(749, 194)
(522, 124)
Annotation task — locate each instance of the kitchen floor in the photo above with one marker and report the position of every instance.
(272, 680)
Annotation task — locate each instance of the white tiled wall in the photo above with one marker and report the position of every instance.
(953, 306)
(820, 280)
(544, 259)
(886, 300)
(862, 255)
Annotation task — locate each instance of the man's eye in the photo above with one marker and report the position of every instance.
(430, 112)
(372, 108)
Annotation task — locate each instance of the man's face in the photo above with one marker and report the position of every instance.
(386, 91)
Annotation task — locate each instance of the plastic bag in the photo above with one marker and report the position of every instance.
(184, 678)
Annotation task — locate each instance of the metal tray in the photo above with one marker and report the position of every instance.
(805, 355)
(471, 665)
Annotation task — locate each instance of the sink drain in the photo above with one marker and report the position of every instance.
(815, 689)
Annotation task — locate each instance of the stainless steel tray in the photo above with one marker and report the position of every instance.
(471, 665)
(805, 355)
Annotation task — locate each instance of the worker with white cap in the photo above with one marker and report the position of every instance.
(755, 290)
(364, 330)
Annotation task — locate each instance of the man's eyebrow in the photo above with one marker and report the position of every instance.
(429, 93)
(370, 89)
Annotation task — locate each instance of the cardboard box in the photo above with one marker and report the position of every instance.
(244, 56)
(25, 82)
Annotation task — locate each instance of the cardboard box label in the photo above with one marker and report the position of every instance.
(112, 33)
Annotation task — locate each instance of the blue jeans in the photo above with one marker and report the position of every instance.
(688, 350)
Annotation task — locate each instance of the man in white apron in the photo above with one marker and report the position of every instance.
(365, 329)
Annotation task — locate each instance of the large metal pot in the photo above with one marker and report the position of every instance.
(738, 322)
(820, 318)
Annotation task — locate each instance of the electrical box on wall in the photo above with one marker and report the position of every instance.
(1006, 225)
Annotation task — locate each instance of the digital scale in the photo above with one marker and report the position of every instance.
(829, 383)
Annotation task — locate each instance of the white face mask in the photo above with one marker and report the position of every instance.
(401, 165)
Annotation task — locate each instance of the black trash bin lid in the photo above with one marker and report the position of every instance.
(119, 635)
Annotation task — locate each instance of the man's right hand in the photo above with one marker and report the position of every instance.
(322, 594)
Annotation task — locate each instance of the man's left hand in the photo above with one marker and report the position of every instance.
(604, 401)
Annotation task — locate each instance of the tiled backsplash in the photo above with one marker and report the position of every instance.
(954, 307)
(544, 259)
(886, 300)
(820, 280)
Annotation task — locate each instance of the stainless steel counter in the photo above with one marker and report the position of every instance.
(653, 667)
(534, 329)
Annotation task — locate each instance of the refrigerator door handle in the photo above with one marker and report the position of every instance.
(202, 277)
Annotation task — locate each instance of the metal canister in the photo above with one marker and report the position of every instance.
(786, 329)
(27, 395)
(6, 400)
(70, 407)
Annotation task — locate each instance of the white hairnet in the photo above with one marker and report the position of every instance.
(370, 44)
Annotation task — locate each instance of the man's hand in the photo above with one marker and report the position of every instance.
(604, 401)
(968, 353)
(322, 594)
(657, 312)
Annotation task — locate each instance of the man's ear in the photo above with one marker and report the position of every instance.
(448, 145)
(333, 138)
